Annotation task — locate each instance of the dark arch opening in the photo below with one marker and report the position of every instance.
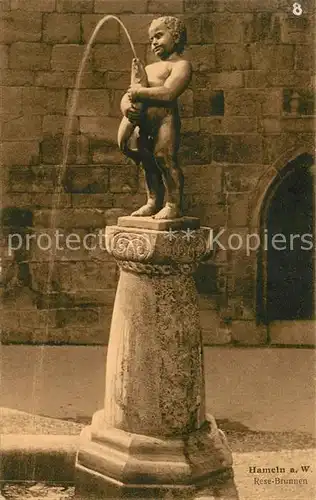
(286, 275)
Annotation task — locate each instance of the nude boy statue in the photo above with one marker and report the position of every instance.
(157, 130)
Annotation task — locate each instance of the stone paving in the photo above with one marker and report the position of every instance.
(262, 389)
(272, 427)
(40, 491)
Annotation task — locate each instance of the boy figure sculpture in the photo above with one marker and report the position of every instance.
(155, 126)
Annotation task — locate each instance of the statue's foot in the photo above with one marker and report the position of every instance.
(145, 211)
(169, 211)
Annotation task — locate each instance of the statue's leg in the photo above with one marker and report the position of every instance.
(153, 180)
(165, 153)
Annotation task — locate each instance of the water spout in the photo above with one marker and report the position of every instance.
(74, 98)
(39, 365)
(69, 125)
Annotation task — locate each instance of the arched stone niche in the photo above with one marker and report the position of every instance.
(283, 205)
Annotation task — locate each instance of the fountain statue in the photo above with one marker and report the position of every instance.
(153, 439)
(156, 126)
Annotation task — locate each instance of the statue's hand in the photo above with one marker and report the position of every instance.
(131, 110)
(133, 92)
(134, 116)
(133, 113)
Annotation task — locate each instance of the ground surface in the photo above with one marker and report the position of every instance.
(262, 389)
(18, 422)
(40, 491)
(264, 399)
(241, 439)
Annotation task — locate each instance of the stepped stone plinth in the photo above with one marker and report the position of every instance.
(153, 438)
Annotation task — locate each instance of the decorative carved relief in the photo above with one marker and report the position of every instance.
(131, 246)
(189, 247)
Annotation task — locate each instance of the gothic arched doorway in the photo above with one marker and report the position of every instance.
(289, 261)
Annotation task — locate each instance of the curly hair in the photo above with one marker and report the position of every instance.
(177, 30)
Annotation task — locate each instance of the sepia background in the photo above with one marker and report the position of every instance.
(247, 136)
(247, 153)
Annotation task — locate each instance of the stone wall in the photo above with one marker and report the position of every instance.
(239, 129)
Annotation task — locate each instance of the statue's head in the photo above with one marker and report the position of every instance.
(176, 28)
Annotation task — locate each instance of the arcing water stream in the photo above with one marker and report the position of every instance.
(38, 368)
(69, 124)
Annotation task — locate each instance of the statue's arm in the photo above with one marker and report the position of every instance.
(130, 110)
(172, 88)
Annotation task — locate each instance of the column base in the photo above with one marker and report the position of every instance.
(114, 464)
(93, 486)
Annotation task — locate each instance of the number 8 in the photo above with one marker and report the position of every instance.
(297, 9)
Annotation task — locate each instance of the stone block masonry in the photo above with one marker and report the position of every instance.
(30, 55)
(16, 26)
(250, 57)
(61, 28)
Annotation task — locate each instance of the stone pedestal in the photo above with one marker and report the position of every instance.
(153, 439)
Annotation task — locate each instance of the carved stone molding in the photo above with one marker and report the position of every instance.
(155, 269)
(161, 248)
